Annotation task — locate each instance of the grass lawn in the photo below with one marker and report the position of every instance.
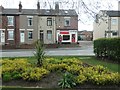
(94, 61)
(114, 67)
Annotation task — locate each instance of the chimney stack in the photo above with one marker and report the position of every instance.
(57, 7)
(20, 7)
(38, 6)
(1, 9)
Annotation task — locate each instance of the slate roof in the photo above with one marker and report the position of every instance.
(113, 13)
(70, 12)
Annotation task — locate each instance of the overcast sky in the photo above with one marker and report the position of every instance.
(66, 4)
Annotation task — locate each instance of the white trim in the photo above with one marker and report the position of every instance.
(30, 29)
(22, 29)
(10, 29)
(2, 29)
(29, 16)
(22, 37)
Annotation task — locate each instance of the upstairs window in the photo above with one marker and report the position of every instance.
(67, 21)
(114, 21)
(10, 20)
(49, 21)
(30, 20)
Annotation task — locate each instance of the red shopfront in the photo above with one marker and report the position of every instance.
(67, 36)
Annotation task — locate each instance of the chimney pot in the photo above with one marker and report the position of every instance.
(38, 6)
(20, 6)
(57, 7)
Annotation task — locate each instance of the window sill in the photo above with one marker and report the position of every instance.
(66, 26)
(10, 25)
(10, 39)
(30, 25)
(30, 39)
(49, 25)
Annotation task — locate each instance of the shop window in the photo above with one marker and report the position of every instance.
(66, 37)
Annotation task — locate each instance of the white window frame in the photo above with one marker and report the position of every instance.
(10, 23)
(2, 35)
(10, 31)
(29, 34)
(49, 21)
(65, 21)
(30, 19)
(22, 38)
(114, 21)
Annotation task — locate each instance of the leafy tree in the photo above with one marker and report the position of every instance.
(39, 53)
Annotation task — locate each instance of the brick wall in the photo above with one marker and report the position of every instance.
(5, 26)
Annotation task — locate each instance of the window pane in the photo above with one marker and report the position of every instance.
(10, 34)
(114, 33)
(66, 37)
(30, 21)
(49, 34)
(114, 21)
(67, 22)
(10, 20)
(30, 35)
(49, 21)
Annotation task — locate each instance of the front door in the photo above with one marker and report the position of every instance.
(41, 36)
(2, 36)
(22, 37)
(73, 38)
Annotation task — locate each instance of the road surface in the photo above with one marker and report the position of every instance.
(85, 49)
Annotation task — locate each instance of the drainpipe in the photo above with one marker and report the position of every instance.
(109, 27)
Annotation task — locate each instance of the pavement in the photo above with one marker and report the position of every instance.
(86, 49)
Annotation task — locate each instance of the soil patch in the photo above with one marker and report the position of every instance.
(51, 81)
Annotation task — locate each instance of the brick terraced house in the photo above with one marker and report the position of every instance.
(25, 26)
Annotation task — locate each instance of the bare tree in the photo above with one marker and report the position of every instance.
(89, 8)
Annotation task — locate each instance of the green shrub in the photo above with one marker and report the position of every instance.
(107, 48)
(55, 67)
(7, 77)
(81, 79)
(39, 53)
(34, 74)
(67, 81)
(16, 75)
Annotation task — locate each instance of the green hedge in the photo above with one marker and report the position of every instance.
(107, 48)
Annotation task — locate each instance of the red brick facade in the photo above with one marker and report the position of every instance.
(5, 26)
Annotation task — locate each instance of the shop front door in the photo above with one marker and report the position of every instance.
(73, 38)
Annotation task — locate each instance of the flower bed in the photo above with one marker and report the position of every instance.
(21, 69)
